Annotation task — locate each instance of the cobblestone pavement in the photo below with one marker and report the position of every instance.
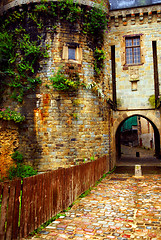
(120, 207)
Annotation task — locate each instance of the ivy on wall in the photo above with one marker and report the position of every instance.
(64, 81)
(8, 114)
(99, 56)
(22, 38)
(20, 53)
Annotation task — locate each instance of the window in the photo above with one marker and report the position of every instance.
(133, 53)
(71, 53)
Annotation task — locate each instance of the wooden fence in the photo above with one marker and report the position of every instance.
(43, 196)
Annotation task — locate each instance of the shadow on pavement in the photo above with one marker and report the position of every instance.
(130, 170)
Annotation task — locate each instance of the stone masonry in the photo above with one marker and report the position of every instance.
(62, 129)
(135, 83)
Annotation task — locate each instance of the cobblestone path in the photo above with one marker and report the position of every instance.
(120, 207)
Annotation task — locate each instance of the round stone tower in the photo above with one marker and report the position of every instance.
(63, 93)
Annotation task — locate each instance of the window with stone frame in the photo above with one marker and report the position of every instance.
(132, 50)
(72, 52)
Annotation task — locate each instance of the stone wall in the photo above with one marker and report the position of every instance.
(130, 102)
(69, 127)
(9, 142)
(146, 23)
(65, 128)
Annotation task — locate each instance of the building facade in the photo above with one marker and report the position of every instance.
(63, 128)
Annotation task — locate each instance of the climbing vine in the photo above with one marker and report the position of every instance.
(22, 42)
(20, 53)
(95, 23)
(99, 56)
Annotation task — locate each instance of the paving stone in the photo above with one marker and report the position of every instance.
(44, 232)
(130, 210)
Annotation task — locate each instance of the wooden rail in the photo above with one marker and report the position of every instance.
(25, 205)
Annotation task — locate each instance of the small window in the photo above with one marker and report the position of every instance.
(133, 53)
(71, 53)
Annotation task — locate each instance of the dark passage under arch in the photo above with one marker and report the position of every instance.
(156, 138)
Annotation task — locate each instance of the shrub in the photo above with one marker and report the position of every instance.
(8, 114)
(152, 101)
(17, 157)
(62, 82)
(20, 170)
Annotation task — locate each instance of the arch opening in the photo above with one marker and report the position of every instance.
(131, 138)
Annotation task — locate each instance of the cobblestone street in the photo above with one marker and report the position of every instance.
(120, 207)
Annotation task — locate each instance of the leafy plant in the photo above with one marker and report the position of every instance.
(153, 102)
(95, 22)
(62, 83)
(8, 114)
(20, 170)
(19, 55)
(69, 10)
(75, 116)
(99, 56)
(92, 158)
(17, 157)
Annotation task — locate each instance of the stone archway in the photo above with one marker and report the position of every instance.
(152, 116)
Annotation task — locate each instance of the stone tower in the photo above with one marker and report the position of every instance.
(63, 126)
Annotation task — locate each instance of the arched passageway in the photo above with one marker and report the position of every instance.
(138, 158)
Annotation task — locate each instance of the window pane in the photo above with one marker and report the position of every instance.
(128, 42)
(71, 53)
(137, 55)
(129, 57)
(136, 42)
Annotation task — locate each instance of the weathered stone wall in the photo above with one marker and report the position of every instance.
(9, 141)
(63, 128)
(70, 126)
(146, 22)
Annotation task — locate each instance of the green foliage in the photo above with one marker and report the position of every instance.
(20, 170)
(75, 116)
(20, 53)
(6, 50)
(22, 49)
(92, 158)
(63, 83)
(69, 11)
(99, 56)
(153, 102)
(8, 114)
(95, 22)
(17, 157)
